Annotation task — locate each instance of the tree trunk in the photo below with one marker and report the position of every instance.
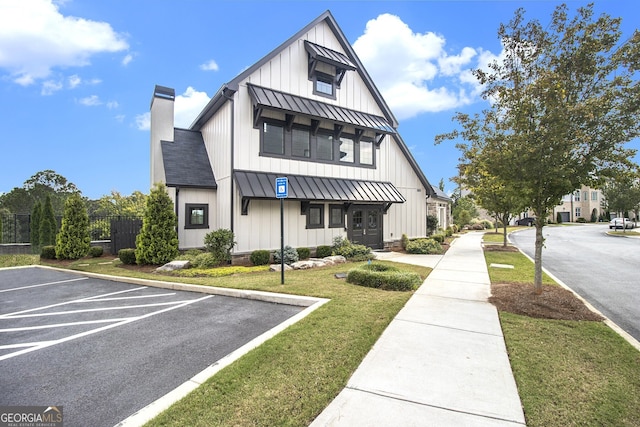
(504, 235)
(537, 278)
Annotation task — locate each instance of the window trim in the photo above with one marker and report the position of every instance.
(326, 78)
(342, 214)
(189, 207)
(308, 215)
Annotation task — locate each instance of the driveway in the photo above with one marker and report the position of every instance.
(103, 349)
(602, 269)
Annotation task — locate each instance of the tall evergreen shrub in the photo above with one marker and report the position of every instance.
(73, 240)
(36, 219)
(157, 242)
(48, 226)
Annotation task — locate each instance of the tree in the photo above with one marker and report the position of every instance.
(464, 209)
(73, 240)
(565, 96)
(621, 194)
(441, 184)
(37, 188)
(117, 204)
(48, 227)
(157, 242)
(36, 219)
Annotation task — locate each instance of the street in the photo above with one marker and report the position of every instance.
(602, 269)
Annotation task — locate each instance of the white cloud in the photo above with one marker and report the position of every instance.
(74, 81)
(414, 71)
(50, 86)
(36, 38)
(127, 59)
(90, 101)
(210, 65)
(188, 106)
(143, 121)
(111, 105)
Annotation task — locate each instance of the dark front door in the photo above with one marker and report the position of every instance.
(365, 225)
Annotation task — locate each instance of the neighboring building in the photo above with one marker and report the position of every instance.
(439, 205)
(583, 203)
(307, 111)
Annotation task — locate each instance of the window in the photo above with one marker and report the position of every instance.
(272, 138)
(315, 216)
(594, 195)
(300, 143)
(324, 147)
(366, 152)
(336, 216)
(585, 196)
(576, 196)
(324, 85)
(346, 150)
(578, 212)
(196, 216)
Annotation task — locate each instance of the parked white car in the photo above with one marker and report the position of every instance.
(621, 222)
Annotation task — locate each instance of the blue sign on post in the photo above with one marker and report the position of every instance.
(282, 188)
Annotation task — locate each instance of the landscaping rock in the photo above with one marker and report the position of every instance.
(309, 263)
(174, 265)
(335, 259)
(276, 267)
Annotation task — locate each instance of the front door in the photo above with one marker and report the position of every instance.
(365, 225)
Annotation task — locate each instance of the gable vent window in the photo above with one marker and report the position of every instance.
(324, 85)
(327, 68)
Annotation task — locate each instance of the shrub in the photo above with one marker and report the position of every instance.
(487, 224)
(73, 240)
(290, 255)
(424, 246)
(432, 223)
(449, 231)
(383, 277)
(559, 218)
(304, 253)
(404, 240)
(96, 251)
(323, 251)
(48, 226)
(350, 251)
(127, 256)
(477, 226)
(157, 242)
(260, 257)
(219, 243)
(438, 238)
(36, 218)
(190, 255)
(205, 260)
(48, 252)
(581, 220)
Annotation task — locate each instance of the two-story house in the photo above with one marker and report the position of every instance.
(310, 112)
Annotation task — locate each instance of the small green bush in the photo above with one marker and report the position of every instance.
(437, 237)
(582, 220)
(48, 252)
(206, 260)
(424, 246)
(127, 256)
(304, 253)
(220, 243)
(290, 255)
(323, 251)
(96, 251)
(449, 231)
(477, 226)
(383, 277)
(260, 257)
(403, 241)
(190, 255)
(350, 251)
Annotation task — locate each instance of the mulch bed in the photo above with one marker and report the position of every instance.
(555, 302)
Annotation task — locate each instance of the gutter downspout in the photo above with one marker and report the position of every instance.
(232, 136)
(177, 209)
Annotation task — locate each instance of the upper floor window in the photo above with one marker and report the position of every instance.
(324, 85)
(576, 196)
(300, 143)
(272, 138)
(346, 150)
(324, 147)
(594, 195)
(366, 152)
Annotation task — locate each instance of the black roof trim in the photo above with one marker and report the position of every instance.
(285, 102)
(261, 185)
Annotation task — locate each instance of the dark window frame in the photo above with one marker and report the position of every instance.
(311, 206)
(329, 80)
(189, 208)
(313, 145)
(342, 214)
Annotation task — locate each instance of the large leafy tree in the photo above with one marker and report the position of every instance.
(117, 204)
(157, 242)
(565, 97)
(21, 200)
(73, 241)
(622, 194)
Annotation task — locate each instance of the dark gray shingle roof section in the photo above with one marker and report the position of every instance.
(272, 99)
(186, 163)
(261, 185)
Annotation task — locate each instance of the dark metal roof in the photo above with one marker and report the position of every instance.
(329, 56)
(261, 185)
(272, 99)
(186, 163)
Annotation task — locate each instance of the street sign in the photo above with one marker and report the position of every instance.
(282, 188)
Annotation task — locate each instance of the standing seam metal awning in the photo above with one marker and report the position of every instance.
(292, 104)
(261, 185)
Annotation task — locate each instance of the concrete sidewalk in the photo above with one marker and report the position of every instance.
(442, 361)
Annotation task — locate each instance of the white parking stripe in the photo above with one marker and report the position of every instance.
(122, 298)
(43, 284)
(24, 344)
(104, 328)
(61, 325)
(88, 310)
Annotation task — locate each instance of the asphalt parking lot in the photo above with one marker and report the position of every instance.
(103, 349)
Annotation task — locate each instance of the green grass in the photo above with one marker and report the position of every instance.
(522, 272)
(18, 260)
(568, 373)
(291, 378)
(623, 233)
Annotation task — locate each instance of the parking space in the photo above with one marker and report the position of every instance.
(105, 349)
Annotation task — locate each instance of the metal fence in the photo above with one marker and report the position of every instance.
(16, 228)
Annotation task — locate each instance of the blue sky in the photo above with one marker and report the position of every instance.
(76, 76)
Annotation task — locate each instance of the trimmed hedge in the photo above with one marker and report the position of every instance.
(127, 256)
(383, 277)
(260, 257)
(304, 253)
(323, 251)
(424, 246)
(96, 251)
(48, 252)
